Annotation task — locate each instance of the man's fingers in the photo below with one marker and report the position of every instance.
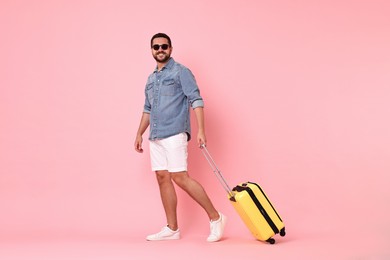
(138, 148)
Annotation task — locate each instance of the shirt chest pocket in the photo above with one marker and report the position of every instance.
(168, 87)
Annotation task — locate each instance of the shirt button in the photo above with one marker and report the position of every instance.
(154, 124)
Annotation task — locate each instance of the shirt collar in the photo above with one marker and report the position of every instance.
(169, 65)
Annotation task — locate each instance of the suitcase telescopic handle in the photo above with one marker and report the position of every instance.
(216, 171)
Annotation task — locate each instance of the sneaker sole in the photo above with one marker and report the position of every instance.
(175, 237)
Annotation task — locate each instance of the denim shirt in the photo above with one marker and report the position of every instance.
(169, 93)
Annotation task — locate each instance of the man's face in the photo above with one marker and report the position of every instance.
(161, 55)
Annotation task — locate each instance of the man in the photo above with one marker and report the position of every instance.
(170, 91)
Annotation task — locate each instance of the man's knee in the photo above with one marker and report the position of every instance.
(163, 176)
(180, 178)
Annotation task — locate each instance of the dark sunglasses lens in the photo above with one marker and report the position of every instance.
(156, 47)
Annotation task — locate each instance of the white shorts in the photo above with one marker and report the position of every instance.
(169, 153)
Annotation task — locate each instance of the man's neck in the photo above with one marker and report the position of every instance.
(161, 65)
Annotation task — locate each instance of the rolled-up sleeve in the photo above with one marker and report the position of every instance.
(197, 103)
(147, 105)
(190, 88)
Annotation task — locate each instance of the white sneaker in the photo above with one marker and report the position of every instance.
(165, 234)
(216, 228)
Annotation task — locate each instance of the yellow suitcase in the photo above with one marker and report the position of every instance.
(252, 205)
(257, 212)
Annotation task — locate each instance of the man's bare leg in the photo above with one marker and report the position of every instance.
(196, 191)
(168, 197)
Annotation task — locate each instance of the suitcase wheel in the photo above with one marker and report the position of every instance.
(283, 232)
(271, 241)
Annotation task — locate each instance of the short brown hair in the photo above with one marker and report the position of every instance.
(161, 35)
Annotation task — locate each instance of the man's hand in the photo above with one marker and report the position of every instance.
(201, 139)
(141, 129)
(138, 144)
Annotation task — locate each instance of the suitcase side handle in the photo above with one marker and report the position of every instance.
(216, 171)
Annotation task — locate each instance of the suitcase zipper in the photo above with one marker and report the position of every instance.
(259, 206)
(265, 196)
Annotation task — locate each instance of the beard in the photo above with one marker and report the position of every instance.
(162, 59)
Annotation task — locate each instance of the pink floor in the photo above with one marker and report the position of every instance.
(193, 246)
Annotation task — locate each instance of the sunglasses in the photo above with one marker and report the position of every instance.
(156, 47)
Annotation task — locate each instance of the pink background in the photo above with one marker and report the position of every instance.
(297, 99)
